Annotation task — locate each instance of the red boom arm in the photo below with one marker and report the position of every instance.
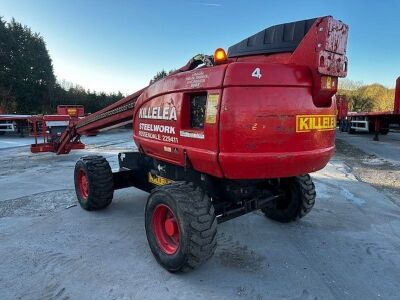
(117, 114)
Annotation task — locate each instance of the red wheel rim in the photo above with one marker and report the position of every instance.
(166, 229)
(83, 184)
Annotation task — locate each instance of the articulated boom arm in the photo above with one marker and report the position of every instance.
(117, 114)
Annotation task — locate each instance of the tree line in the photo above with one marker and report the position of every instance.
(28, 84)
(372, 97)
(27, 81)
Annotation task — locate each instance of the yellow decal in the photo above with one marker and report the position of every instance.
(329, 82)
(212, 108)
(158, 180)
(306, 123)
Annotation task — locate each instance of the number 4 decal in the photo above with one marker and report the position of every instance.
(256, 73)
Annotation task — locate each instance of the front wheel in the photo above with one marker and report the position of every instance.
(93, 182)
(297, 200)
(181, 226)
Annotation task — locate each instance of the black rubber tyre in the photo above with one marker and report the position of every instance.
(298, 200)
(350, 130)
(196, 222)
(384, 131)
(346, 126)
(99, 188)
(342, 126)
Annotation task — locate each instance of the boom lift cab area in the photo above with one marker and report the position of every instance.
(223, 136)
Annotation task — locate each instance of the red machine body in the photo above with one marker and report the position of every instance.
(273, 114)
(264, 111)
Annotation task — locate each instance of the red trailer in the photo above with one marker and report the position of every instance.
(376, 122)
(39, 125)
(14, 123)
(342, 107)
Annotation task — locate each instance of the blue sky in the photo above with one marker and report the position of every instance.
(119, 45)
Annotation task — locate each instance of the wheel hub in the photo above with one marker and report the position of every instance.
(170, 226)
(166, 229)
(83, 184)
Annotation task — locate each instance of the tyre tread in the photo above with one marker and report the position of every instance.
(307, 195)
(100, 180)
(199, 214)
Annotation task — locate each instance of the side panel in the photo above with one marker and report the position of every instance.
(261, 73)
(195, 80)
(162, 124)
(273, 132)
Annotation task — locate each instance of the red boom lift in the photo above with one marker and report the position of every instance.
(51, 127)
(377, 122)
(223, 136)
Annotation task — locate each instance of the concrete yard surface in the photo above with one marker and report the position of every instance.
(14, 141)
(348, 247)
(388, 146)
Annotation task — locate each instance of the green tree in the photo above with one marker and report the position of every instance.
(382, 97)
(161, 75)
(158, 76)
(27, 81)
(372, 97)
(7, 100)
(27, 77)
(69, 93)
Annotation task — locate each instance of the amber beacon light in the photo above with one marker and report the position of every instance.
(220, 56)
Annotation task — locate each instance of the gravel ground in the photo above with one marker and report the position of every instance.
(348, 247)
(376, 171)
(374, 162)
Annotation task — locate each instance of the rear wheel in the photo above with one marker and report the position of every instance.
(93, 182)
(297, 201)
(181, 226)
(384, 131)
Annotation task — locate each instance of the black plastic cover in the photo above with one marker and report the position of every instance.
(279, 38)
